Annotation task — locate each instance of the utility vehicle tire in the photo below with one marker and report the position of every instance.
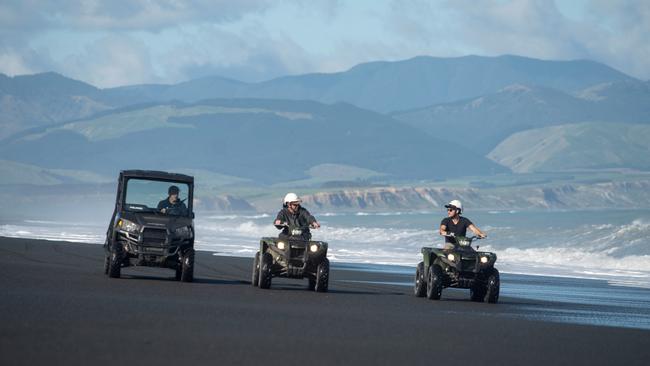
(493, 286)
(312, 284)
(322, 276)
(107, 263)
(114, 264)
(187, 269)
(255, 279)
(420, 288)
(266, 261)
(434, 283)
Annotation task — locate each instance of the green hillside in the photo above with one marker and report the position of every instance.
(589, 145)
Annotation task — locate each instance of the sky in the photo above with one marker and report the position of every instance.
(126, 42)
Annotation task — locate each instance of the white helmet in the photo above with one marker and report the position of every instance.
(291, 197)
(455, 204)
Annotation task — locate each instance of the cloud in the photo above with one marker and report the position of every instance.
(111, 61)
(121, 14)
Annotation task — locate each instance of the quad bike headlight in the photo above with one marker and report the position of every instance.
(451, 257)
(313, 248)
(484, 259)
(281, 245)
(129, 226)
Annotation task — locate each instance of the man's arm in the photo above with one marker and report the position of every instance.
(443, 229)
(279, 220)
(311, 220)
(477, 231)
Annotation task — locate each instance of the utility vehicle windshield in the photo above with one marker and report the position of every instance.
(143, 195)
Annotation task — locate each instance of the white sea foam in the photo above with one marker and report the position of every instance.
(617, 253)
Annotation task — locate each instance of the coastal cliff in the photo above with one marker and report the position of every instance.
(567, 196)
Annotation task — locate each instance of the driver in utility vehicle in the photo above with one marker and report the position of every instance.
(294, 216)
(171, 204)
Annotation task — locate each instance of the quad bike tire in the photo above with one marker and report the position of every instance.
(322, 276)
(493, 286)
(434, 283)
(255, 278)
(266, 261)
(420, 287)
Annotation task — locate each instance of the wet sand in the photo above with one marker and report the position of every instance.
(58, 307)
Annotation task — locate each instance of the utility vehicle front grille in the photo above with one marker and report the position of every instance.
(154, 236)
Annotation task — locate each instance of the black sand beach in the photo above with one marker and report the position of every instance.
(57, 307)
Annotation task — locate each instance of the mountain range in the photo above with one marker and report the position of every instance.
(424, 118)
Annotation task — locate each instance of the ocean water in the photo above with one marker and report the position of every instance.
(611, 245)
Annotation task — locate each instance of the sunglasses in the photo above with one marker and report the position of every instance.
(451, 209)
(294, 204)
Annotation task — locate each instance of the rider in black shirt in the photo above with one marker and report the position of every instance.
(456, 224)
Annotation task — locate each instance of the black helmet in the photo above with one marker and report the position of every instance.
(173, 190)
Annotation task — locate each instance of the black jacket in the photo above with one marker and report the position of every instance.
(300, 220)
(177, 208)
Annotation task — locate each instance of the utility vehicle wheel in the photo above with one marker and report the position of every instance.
(255, 279)
(266, 261)
(114, 264)
(187, 266)
(493, 285)
(322, 276)
(434, 283)
(312, 284)
(178, 271)
(107, 263)
(420, 288)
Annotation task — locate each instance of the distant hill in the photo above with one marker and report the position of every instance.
(388, 86)
(482, 123)
(265, 141)
(42, 99)
(576, 146)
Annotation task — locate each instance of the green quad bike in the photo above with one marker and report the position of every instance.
(461, 267)
(294, 256)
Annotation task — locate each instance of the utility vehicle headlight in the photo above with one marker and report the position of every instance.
(484, 259)
(313, 248)
(281, 245)
(129, 226)
(451, 257)
(183, 232)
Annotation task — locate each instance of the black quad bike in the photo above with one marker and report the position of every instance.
(293, 256)
(142, 235)
(461, 267)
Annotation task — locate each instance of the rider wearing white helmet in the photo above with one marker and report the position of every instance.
(292, 215)
(456, 224)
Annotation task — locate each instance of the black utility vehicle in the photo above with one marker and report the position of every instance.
(141, 234)
(293, 256)
(462, 267)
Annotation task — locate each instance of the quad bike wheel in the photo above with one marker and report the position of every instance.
(187, 266)
(265, 271)
(493, 286)
(420, 287)
(255, 279)
(322, 276)
(434, 283)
